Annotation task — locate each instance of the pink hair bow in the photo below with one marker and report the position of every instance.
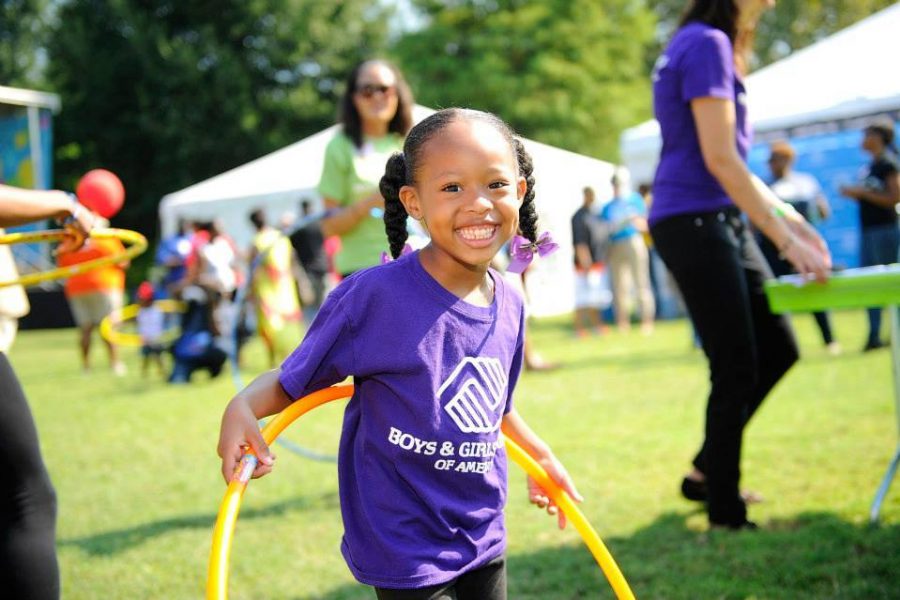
(522, 251)
(386, 258)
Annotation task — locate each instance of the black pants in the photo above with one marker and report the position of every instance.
(28, 566)
(485, 583)
(720, 271)
(880, 245)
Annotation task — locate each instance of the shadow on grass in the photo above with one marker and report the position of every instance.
(814, 555)
(114, 542)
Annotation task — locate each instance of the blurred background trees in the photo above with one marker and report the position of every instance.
(21, 40)
(168, 93)
(565, 72)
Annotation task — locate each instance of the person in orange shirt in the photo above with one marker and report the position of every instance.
(95, 294)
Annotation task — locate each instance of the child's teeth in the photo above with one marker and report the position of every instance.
(477, 233)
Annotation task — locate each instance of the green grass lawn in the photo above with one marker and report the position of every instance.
(137, 476)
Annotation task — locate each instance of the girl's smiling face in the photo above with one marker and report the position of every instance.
(467, 192)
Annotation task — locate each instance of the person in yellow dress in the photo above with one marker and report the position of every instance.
(274, 290)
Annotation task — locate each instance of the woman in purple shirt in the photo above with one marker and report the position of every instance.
(701, 192)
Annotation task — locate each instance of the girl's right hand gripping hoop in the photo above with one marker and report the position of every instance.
(138, 244)
(223, 533)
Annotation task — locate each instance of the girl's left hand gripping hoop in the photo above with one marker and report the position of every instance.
(137, 245)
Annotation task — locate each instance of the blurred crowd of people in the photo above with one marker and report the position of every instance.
(225, 293)
(612, 254)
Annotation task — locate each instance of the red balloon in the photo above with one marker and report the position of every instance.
(101, 191)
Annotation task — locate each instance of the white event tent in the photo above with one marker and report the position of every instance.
(842, 77)
(278, 181)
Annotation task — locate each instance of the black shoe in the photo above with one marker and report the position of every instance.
(874, 345)
(744, 525)
(694, 490)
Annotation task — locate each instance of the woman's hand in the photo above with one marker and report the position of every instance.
(540, 498)
(854, 192)
(805, 249)
(347, 218)
(374, 200)
(77, 226)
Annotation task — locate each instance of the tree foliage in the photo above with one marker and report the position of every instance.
(168, 93)
(792, 25)
(21, 37)
(795, 24)
(567, 73)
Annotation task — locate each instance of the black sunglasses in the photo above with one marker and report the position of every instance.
(368, 90)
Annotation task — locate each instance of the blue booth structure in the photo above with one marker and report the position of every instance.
(26, 160)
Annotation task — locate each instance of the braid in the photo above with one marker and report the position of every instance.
(527, 212)
(394, 213)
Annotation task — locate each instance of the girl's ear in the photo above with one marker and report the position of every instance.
(410, 201)
(521, 188)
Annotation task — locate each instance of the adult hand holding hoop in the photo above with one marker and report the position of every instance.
(19, 206)
(77, 225)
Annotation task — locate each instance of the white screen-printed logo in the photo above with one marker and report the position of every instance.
(474, 395)
(661, 63)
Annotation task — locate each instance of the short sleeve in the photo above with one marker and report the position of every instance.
(325, 357)
(336, 179)
(604, 212)
(708, 67)
(580, 234)
(518, 360)
(638, 205)
(815, 188)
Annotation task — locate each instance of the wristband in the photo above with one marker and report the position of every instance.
(783, 209)
(77, 206)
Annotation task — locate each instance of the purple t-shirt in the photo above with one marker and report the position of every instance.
(698, 63)
(421, 465)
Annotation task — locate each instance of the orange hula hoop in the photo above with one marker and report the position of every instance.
(223, 532)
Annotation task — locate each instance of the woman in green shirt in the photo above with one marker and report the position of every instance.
(376, 114)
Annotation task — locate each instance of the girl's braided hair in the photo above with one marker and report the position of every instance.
(402, 168)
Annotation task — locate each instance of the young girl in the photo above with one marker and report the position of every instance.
(434, 342)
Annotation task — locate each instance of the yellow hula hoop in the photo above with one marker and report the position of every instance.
(138, 244)
(126, 313)
(223, 532)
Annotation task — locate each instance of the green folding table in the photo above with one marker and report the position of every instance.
(853, 288)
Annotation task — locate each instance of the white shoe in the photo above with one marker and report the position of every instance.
(119, 369)
(834, 349)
